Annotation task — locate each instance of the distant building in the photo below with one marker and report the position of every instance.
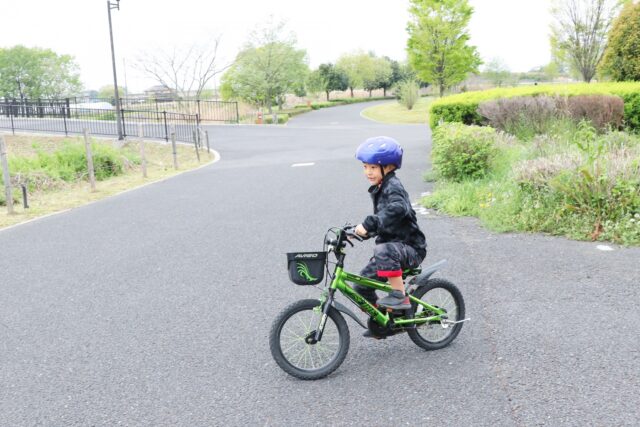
(160, 93)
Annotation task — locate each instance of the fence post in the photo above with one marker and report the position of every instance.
(87, 145)
(195, 142)
(206, 137)
(237, 114)
(64, 119)
(166, 132)
(5, 175)
(124, 127)
(142, 156)
(13, 129)
(173, 145)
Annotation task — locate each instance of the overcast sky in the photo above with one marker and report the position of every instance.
(515, 31)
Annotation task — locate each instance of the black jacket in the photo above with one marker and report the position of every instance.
(393, 219)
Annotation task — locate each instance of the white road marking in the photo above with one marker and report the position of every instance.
(296, 165)
(604, 248)
(418, 208)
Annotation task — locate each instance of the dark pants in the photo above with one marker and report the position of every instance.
(389, 259)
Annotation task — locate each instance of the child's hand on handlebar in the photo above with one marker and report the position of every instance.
(361, 231)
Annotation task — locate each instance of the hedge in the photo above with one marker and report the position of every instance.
(345, 101)
(464, 107)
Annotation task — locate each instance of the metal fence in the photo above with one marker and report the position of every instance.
(207, 110)
(70, 120)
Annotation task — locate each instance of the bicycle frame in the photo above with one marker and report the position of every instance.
(339, 283)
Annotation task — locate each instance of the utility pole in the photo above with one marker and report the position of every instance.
(110, 6)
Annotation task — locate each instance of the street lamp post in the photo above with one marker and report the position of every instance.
(110, 6)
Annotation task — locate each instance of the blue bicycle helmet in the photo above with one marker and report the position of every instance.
(380, 150)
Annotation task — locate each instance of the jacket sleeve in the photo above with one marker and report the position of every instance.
(395, 210)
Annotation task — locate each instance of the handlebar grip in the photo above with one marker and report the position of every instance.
(355, 236)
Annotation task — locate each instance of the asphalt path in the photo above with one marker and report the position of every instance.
(153, 307)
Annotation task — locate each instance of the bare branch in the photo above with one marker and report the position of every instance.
(184, 71)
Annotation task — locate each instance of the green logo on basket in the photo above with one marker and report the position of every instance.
(303, 271)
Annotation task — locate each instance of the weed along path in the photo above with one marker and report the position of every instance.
(153, 307)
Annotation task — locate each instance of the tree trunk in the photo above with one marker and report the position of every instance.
(351, 91)
(384, 92)
(441, 90)
(370, 90)
(327, 95)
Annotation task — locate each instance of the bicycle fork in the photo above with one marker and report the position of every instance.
(328, 301)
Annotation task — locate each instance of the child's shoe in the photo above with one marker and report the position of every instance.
(396, 300)
(369, 334)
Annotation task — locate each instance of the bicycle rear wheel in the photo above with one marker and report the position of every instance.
(289, 344)
(445, 295)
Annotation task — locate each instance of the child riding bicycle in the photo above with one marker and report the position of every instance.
(399, 243)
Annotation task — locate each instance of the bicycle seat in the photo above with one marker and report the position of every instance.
(411, 272)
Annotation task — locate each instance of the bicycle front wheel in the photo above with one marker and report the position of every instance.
(445, 295)
(290, 345)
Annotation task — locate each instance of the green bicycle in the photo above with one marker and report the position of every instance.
(309, 339)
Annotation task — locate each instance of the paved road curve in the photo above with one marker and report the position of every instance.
(153, 307)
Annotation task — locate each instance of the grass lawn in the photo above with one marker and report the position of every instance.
(394, 113)
(70, 195)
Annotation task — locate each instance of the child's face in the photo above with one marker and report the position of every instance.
(373, 173)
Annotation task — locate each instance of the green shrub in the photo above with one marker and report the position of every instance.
(596, 186)
(344, 101)
(632, 111)
(463, 152)
(282, 118)
(408, 93)
(298, 109)
(319, 105)
(67, 164)
(527, 116)
(3, 199)
(579, 183)
(522, 116)
(463, 107)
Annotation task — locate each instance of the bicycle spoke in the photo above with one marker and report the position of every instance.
(292, 334)
(443, 299)
(308, 356)
(297, 343)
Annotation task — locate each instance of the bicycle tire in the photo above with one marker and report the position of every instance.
(418, 335)
(275, 341)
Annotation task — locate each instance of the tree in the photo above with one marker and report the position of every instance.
(358, 67)
(328, 78)
(437, 45)
(107, 92)
(621, 59)
(267, 68)
(37, 73)
(551, 71)
(579, 32)
(381, 76)
(184, 70)
(497, 72)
